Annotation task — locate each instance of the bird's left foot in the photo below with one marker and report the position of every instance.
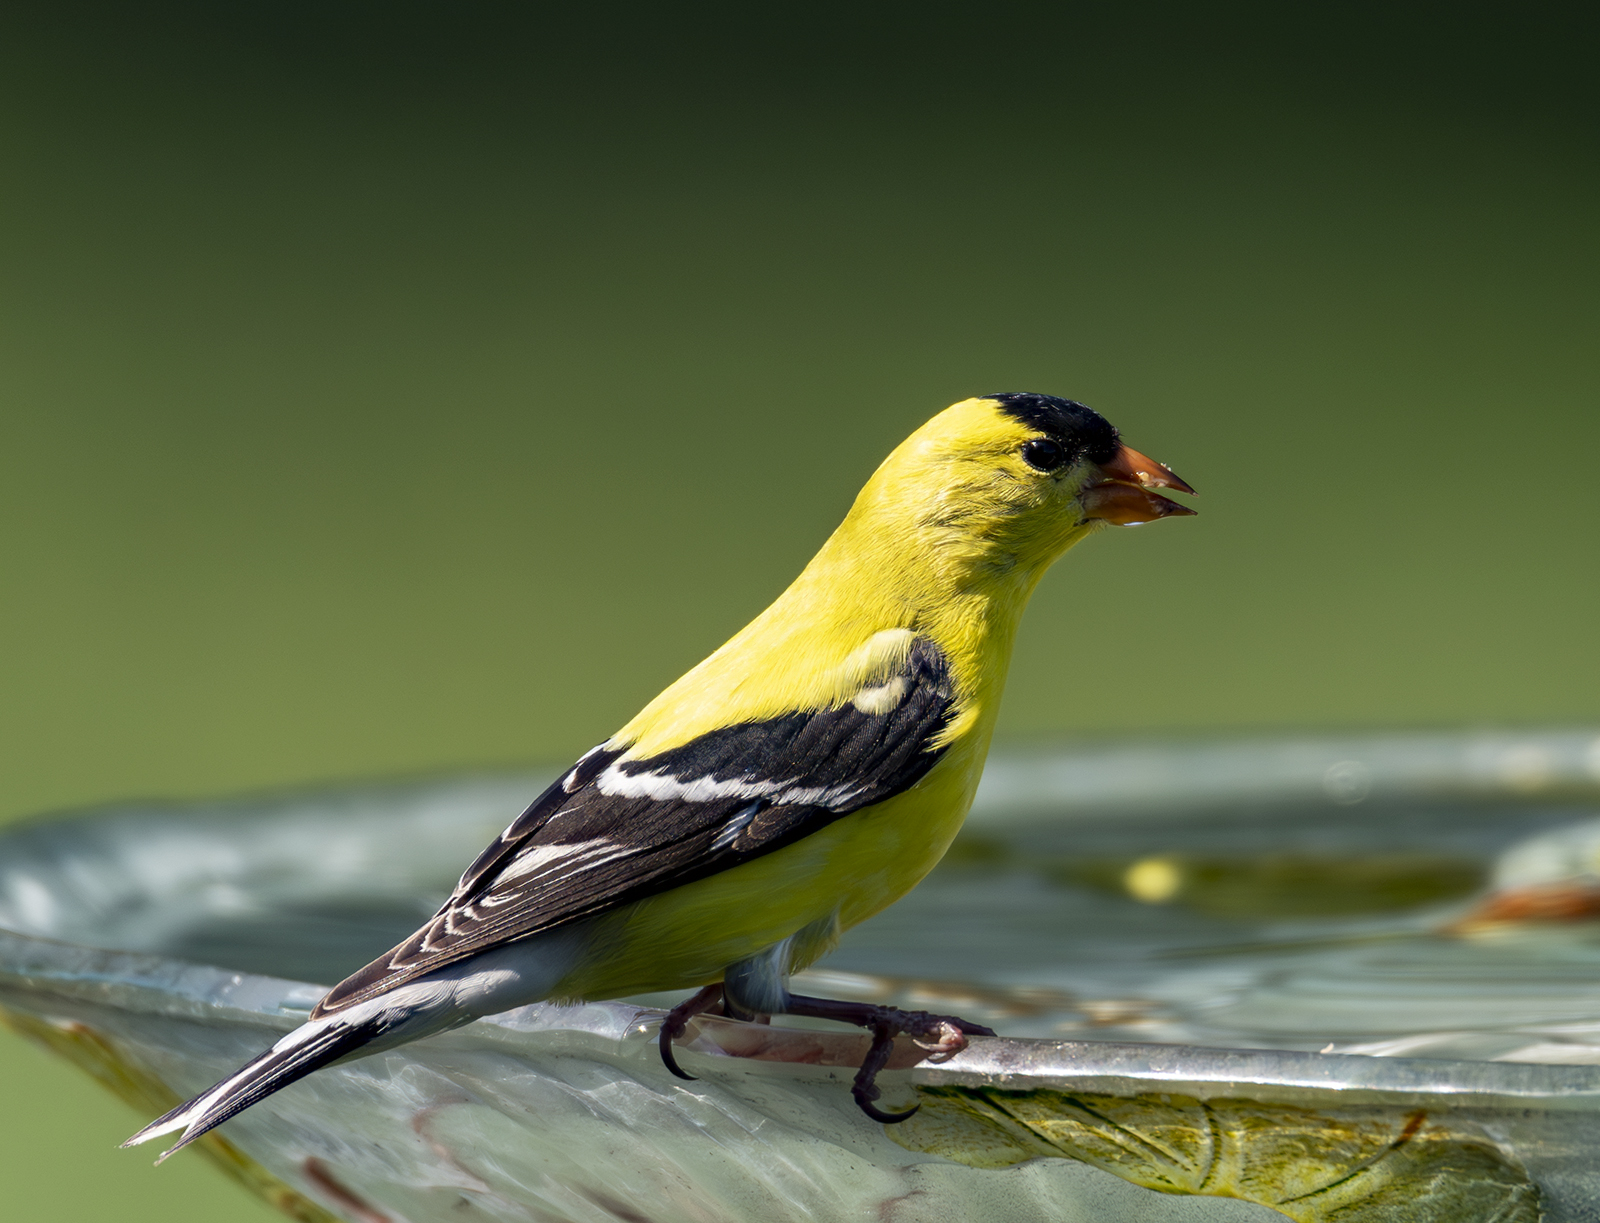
(943, 1035)
(677, 1022)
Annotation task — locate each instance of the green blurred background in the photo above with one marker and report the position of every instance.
(405, 387)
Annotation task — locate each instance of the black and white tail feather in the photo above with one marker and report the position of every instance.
(496, 980)
(609, 833)
(309, 1047)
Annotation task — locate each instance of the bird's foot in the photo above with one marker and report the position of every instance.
(677, 1020)
(944, 1035)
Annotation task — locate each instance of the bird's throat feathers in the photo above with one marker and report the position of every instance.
(946, 540)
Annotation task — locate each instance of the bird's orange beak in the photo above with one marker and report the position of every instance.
(1121, 495)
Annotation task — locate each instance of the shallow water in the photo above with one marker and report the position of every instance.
(1271, 918)
(1242, 903)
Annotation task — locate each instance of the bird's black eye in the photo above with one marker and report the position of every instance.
(1044, 453)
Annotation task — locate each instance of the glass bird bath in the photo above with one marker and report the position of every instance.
(1352, 980)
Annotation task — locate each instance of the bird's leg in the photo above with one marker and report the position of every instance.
(944, 1035)
(677, 1021)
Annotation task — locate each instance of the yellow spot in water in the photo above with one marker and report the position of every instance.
(1153, 880)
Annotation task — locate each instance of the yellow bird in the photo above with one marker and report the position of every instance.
(804, 776)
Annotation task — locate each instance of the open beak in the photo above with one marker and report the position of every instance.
(1121, 494)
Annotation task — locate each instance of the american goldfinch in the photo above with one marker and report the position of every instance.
(807, 774)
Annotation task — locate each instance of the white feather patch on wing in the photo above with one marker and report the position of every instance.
(883, 698)
(665, 787)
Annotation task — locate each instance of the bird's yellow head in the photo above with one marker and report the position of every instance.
(1004, 484)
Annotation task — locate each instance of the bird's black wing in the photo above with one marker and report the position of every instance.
(612, 832)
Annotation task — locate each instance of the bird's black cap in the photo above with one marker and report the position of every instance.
(1082, 431)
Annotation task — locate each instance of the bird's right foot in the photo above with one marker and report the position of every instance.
(943, 1036)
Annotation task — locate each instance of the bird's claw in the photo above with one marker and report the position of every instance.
(676, 1022)
(865, 1088)
(877, 1114)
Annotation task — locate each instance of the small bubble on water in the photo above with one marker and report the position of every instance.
(1347, 782)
